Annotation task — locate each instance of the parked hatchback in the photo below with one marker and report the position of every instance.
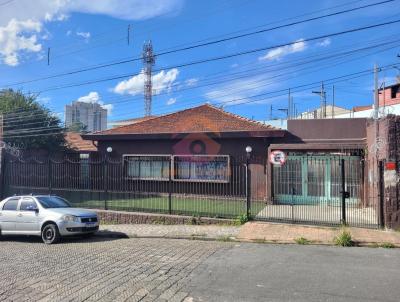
(50, 217)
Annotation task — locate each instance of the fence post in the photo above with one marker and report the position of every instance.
(105, 182)
(49, 175)
(381, 195)
(2, 173)
(343, 191)
(248, 187)
(169, 188)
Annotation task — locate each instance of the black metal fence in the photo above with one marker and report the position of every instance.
(197, 187)
(327, 190)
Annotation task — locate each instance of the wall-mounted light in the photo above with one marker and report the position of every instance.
(109, 149)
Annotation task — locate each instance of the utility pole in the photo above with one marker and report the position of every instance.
(376, 93)
(289, 106)
(128, 37)
(148, 61)
(322, 94)
(333, 101)
(270, 113)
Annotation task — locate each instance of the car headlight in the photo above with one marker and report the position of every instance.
(70, 218)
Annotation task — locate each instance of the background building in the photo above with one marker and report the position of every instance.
(91, 115)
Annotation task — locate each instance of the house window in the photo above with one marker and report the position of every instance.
(203, 168)
(151, 167)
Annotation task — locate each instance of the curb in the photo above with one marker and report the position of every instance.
(120, 235)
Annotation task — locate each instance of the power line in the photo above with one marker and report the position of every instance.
(244, 100)
(21, 116)
(211, 43)
(229, 56)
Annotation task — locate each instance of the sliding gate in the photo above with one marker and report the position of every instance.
(308, 188)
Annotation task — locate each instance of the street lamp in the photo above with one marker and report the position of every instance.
(249, 149)
(109, 149)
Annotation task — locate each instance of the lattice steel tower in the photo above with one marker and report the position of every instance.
(148, 61)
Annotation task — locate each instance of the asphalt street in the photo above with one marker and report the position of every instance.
(190, 270)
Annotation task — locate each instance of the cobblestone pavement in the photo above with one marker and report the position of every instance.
(99, 269)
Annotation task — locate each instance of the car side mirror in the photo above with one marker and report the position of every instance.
(36, 210)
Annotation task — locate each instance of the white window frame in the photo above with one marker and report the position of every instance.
(201, 180)
(148, 155)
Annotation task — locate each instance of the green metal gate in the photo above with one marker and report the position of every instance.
(312, 189)
(316, 179)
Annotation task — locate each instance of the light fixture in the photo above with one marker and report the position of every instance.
(109, 149)
(249, 149)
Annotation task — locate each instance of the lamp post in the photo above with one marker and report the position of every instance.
(249, 149)
(105, 180)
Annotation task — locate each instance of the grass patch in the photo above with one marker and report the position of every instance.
(241, 219)
(344, 239)
(259, 240)
(387, 245)
(302, 241)
(225, 239)
(210, 207)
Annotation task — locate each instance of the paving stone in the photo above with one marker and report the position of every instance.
(99, 269)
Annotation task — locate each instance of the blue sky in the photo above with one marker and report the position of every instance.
(87, 33)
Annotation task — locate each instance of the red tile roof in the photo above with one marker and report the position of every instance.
(201, 119)
(77, 143)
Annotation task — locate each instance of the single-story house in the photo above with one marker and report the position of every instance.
(206, 144)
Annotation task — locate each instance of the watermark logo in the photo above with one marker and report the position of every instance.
(14, 151)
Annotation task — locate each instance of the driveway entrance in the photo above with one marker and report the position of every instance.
(308, 188)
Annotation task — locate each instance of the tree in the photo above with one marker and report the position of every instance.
(28, 124)
(78, 127)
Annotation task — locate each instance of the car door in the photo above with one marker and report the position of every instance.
(8, 215)
(28, 219)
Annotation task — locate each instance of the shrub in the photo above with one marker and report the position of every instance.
(344, 239)
(302, 240)
(241, 219)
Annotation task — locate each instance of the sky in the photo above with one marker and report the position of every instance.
(81, 34)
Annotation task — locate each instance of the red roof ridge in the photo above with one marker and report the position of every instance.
(242, 117)
(155, 117)
(120, 129)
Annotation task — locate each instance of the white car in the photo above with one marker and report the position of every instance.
(48, 216)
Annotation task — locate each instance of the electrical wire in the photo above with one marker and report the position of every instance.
(210, 43)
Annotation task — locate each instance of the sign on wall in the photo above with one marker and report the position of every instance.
(277, 157)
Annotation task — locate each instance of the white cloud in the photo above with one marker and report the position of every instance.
(18, 36)
(94, 97)
(171, 101)
(280, 52)
(69, 32)
(191, 82)
(85, 35)
(43, 100)
(324, 43)
(240, 91)
(23, 19)
(162, 81)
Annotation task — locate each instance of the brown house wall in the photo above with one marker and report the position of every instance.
(235, 147)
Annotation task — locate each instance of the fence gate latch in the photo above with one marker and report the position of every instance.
(346, 194)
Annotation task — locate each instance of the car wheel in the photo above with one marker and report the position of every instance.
(50, 234)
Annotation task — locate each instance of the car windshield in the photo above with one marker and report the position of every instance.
(52, 202)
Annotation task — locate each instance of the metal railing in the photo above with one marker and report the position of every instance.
(327, 190)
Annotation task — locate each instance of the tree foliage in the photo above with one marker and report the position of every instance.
(78, 127)
(28, 124)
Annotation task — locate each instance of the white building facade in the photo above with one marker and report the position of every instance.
(91, 115)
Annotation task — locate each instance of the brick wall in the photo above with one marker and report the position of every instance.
(392, 185)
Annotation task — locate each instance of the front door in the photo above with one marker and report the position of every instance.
(8, 216)
(28, 221)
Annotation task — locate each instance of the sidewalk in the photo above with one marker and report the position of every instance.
(250, 232)
(205, 232)
(287, 233)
